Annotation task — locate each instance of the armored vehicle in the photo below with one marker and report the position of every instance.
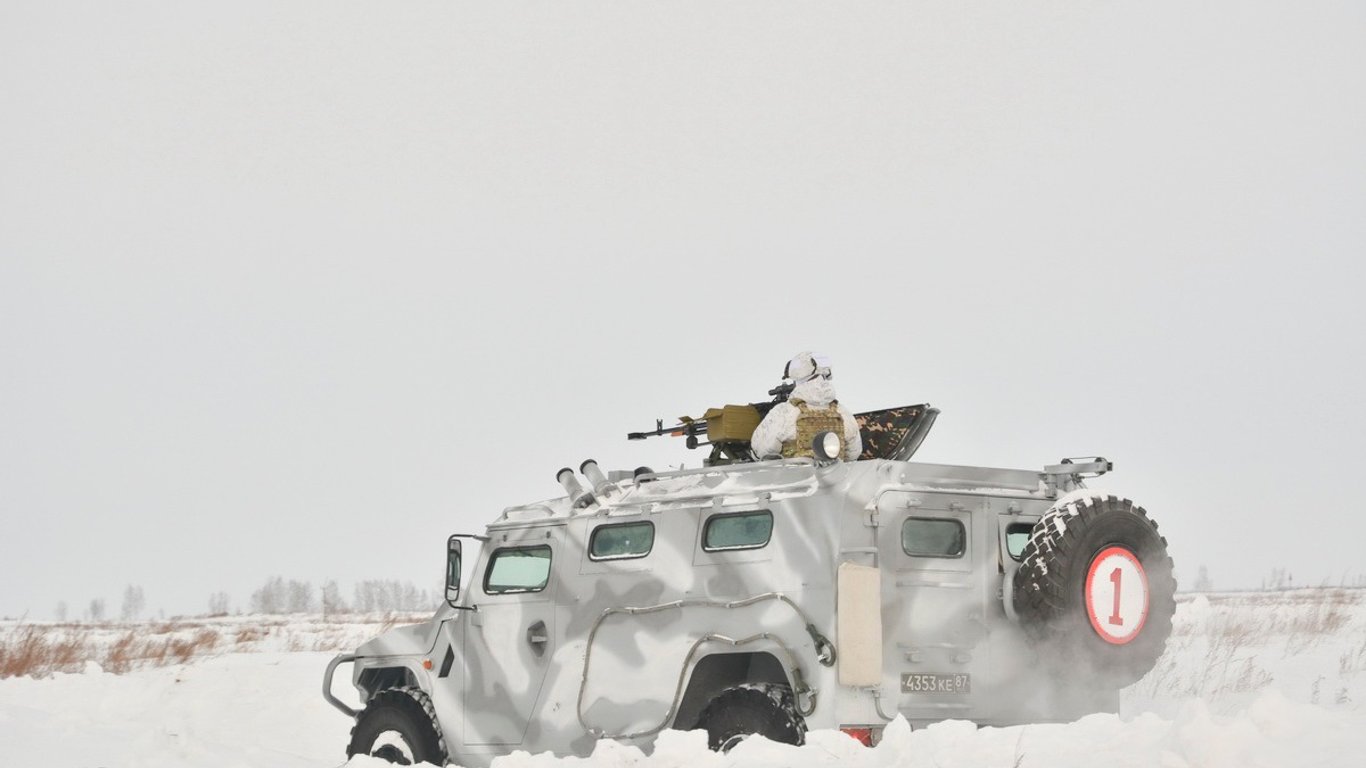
(770, 597)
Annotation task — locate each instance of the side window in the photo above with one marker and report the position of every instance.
(518, 569)
(744, 530)
(933, 537)
(620, 542)
(1017, 536)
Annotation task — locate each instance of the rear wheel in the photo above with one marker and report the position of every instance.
(765, 709)
(398, 725)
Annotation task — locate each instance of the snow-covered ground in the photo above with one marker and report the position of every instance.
(1250, 679)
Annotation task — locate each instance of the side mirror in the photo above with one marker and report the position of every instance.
(453, 549)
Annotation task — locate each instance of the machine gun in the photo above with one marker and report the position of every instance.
(727, 428)
(891, 433)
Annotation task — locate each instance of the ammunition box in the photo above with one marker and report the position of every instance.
(731, 422)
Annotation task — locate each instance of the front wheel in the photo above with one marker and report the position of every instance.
(765, 709)
(398, 725)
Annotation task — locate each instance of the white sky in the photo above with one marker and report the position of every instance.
(300, 288)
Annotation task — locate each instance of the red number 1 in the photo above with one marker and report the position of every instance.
(1115, 618)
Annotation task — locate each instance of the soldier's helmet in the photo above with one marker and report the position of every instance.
(806, 366)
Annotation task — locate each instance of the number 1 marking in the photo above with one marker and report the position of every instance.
(1115, 618)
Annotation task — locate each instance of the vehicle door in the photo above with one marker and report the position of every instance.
(933, 601)
(448, 676)
(1013, 531)
(508, 640)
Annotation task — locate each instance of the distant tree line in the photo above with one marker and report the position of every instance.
(134, 603)
(370, 596)
(280, 596)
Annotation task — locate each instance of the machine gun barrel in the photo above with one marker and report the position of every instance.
(689, 427)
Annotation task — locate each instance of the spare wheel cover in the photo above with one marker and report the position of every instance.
(1116, 595)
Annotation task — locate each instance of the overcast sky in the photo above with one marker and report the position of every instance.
(301, 288)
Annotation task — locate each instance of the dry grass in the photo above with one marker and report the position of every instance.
(1218, 649)
(1353, 660)
(118, 658)
(41, 649)
(131, 651)
(30, 651)
(1228, 665)
(1303, 613)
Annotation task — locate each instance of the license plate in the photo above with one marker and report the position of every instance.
(913, 683)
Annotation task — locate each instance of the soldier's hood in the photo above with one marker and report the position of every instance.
(818, 392)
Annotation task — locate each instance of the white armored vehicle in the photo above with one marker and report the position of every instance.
(771, 597)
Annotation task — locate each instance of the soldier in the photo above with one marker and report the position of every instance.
(811, 409)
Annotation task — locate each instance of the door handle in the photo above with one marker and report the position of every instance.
(537, 637)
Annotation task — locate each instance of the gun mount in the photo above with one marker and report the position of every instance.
(890, 433)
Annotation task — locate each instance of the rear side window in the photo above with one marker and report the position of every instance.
(518, 569)
(620, 542)
(933, 537)
(1017, 536)
(745, 530)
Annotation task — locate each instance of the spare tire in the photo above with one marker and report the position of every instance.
(1095, 590)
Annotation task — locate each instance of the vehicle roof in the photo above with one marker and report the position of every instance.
(764, 481)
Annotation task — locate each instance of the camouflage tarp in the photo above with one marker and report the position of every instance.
(884, 430)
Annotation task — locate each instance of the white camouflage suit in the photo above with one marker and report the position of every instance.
(814, 389)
